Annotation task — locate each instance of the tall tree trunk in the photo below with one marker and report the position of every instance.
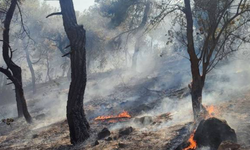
(197, 83)
(135, 58)
(18, 101)
(48, 68)
(13, 72)
(17, 74)
(136, 53)
(19, 104)
(140, 33)
(78, 124)
(196, 88)
(32, 72)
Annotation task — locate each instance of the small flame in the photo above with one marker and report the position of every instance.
(192, 142)
(124, 114)
(211, 111)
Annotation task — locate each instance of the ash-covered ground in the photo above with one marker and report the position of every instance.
(161, 115)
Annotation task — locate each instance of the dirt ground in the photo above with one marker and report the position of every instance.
(157, 134)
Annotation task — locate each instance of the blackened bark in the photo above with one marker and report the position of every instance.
(19, 89)
(78, 124)
(32, 72)
(14, 72)
(197, 84)
(196, 88)
(18, 102)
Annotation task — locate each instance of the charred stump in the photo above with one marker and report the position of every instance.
(212, 132)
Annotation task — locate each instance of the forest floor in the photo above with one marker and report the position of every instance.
(154, 125)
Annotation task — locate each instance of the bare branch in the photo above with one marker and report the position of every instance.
(67, 54)
(54, 14)
(9, 83)
(22, 24)
(67, 46)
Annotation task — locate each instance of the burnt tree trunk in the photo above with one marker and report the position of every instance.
(32, 72)
(78, 124)
(197, 83)
(17, 74)
(196, 88)
(18, 102)
(13, 71)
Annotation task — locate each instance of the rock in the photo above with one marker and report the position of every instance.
(40, 117)
(125, 131)
(227, 145)
(145, 120)
(104, 133)
(121, 145)
(212, 132)
(96, 143)
(108, 139)
(35, 136)
(115, 137)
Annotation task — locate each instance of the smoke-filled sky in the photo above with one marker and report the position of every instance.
(80, 5)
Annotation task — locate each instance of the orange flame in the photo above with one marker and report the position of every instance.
(192, 142)
(124, 114)
(211, 111)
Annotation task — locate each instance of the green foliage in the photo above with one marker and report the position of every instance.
(117, 10)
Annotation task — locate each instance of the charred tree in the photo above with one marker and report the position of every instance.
(32, 72)
(136, 53)
(61, 42)
(13, 71)
(120, 12)
(139, 32)
(220, 30)
(197, 83)
(218, 33)
(78, 124)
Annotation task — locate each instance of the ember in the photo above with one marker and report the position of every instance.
(211, 111)
(112, 118)
(192, 142)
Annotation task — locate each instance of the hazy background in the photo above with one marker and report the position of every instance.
(80, 5)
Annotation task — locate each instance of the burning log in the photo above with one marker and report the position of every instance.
(113, 119)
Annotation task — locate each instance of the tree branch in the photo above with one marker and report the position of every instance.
(54, 14)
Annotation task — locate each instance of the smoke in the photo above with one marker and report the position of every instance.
(114, 84)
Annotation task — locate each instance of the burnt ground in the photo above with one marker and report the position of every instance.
(48, 132)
